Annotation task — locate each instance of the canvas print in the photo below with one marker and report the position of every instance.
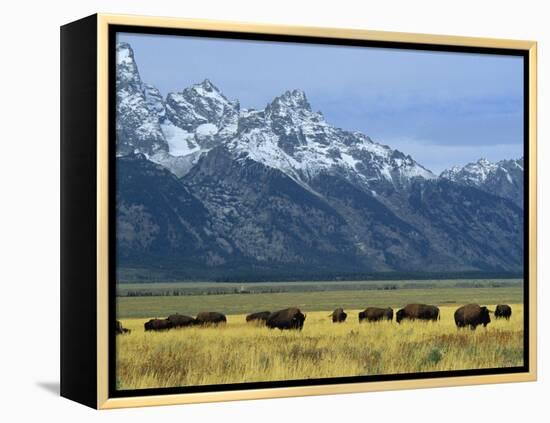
(290, 212)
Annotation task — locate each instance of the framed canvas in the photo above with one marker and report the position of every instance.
(257, 211)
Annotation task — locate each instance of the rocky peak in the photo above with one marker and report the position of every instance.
(504, 178)
(154, 100)
(200, 104)
(138, 107)
(472, 173)
(127, 70)
(289, 102)
(207, 86)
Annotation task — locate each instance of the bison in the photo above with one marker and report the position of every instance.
(181, 320)
(472, 315)
(210, 318)
(259, 317)
(503, 311)
(289, 318)
(157, 324)
(339, 315)
(375, 314)
(119, 329)
(417, 311)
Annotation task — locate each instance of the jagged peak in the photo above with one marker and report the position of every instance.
(294, 99)
(484, 162)
(208, 85)
(479, 170)
(124, 53)
(205, 89)
(121, 45)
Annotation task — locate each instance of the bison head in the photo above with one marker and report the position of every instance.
(484, 316)
(300, 318)
(399, 315)
(297, 320)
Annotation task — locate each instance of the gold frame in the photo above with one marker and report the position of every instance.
(103, 21)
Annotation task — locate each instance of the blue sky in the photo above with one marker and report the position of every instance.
(442, 108)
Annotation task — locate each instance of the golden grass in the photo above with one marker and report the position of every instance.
(241, 352)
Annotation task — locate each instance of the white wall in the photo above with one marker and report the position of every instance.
(29, 227)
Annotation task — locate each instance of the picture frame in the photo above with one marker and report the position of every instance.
(88, 210)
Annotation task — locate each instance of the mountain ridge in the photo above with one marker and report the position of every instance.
(287, 134)
(231, 190)
(504, 177)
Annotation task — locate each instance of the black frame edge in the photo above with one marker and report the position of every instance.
(78, 170)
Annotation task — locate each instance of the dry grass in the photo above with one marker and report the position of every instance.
(241, 352)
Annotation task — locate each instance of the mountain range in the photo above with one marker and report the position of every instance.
(208, 190)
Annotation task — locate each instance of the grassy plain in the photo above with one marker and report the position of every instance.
(239, 352)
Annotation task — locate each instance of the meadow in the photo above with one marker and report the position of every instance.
(242, 352)
(157, 300)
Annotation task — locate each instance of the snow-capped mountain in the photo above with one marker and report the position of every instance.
(289, 136)
(137, 124)
(286, 135)
(503, 178)
(208, 189)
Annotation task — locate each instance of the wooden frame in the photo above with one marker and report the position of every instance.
(85, 236)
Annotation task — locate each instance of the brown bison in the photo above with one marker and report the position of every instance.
(472, 315)
(503, 311)
(417, 311)
(157, 324)
(210, 318)
(180, 320)
(259, 317)
(375, 314)
(339, 315)
(289, 318)
(119, 329)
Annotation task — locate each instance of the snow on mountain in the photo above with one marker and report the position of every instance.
(472, 173)
(504, 178)
(202, 104)
(172, 132)
(288, 135)
(137, 124)
(154, 101)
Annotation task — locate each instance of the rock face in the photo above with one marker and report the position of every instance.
(208, 190)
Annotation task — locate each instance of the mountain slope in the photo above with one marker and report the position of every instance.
(269, 218)
(157, 216)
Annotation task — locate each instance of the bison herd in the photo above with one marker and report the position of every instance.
(181, 321)
(470, 315)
